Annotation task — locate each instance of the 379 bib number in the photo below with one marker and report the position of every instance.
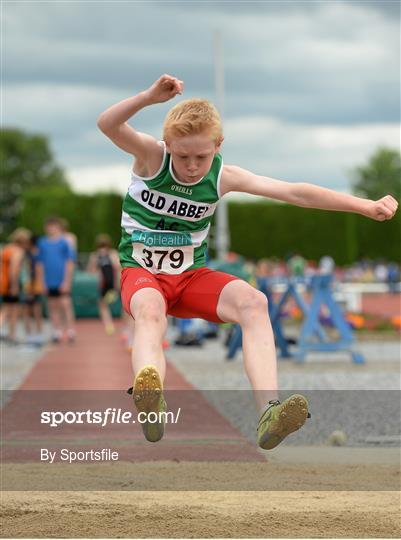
(176, 258)
(153, 252)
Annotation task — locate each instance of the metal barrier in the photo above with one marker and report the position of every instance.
(312, 336)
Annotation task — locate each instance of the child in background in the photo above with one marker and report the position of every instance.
(105, 262)
(69, 236)
(33, 290)
(12, 259)
(56, 266)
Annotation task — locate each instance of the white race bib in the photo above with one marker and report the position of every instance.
(163, 252)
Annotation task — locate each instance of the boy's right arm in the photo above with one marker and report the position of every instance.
(15, 270)
(40, 268)
(113, 121)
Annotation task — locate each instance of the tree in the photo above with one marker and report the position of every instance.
(26, 161)
(380, 176)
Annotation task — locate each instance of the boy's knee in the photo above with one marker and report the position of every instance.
(251, 302)
(149, 312)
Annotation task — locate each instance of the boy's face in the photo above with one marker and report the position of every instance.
(192, 156)
(53, 229)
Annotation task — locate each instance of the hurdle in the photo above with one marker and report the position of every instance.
(313, 337)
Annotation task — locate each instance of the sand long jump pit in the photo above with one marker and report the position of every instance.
(204, 479)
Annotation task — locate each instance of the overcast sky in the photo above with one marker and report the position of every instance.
(312, 88)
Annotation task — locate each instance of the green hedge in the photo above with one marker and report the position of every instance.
(263, 229)
(257, 229)
(88, 215)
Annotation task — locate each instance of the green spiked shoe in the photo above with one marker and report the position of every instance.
(148, 398)
(281, 419)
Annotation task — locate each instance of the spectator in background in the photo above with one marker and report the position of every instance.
(56, 267)
(380, 271)
(296, 265)
(12, 258)
(69, 236)
(393, 277)
(326, 265)
(33, 289)
(263, 268)
(368, 275)
(250, 268)
(106, 264)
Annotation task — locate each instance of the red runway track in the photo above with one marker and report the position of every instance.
(95, 373)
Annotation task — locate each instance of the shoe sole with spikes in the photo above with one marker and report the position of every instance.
(287, 417)
(148, 398)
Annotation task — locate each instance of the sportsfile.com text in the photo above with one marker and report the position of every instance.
(110, 415)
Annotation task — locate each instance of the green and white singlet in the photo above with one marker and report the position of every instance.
(165, 222)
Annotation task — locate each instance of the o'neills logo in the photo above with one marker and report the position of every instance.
(143, 280)
(181, 189)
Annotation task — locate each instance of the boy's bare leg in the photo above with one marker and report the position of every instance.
(54, 315)
(68, 312)
(3, 315)
(38, 318)
(241, 303)
(14, 311)
(106, 317)
(26, 313)
(148, 308)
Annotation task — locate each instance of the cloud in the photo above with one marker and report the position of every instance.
(120, 45)
(54, 109)
(297, 74)
(312, 62)
(323, 155)
(114, 177)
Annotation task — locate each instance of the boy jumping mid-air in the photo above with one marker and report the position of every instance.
(176, 185)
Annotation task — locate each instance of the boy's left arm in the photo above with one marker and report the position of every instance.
(304, 194)
(67, 282)
(69, 268)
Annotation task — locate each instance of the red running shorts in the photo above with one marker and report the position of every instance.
(192, 294)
